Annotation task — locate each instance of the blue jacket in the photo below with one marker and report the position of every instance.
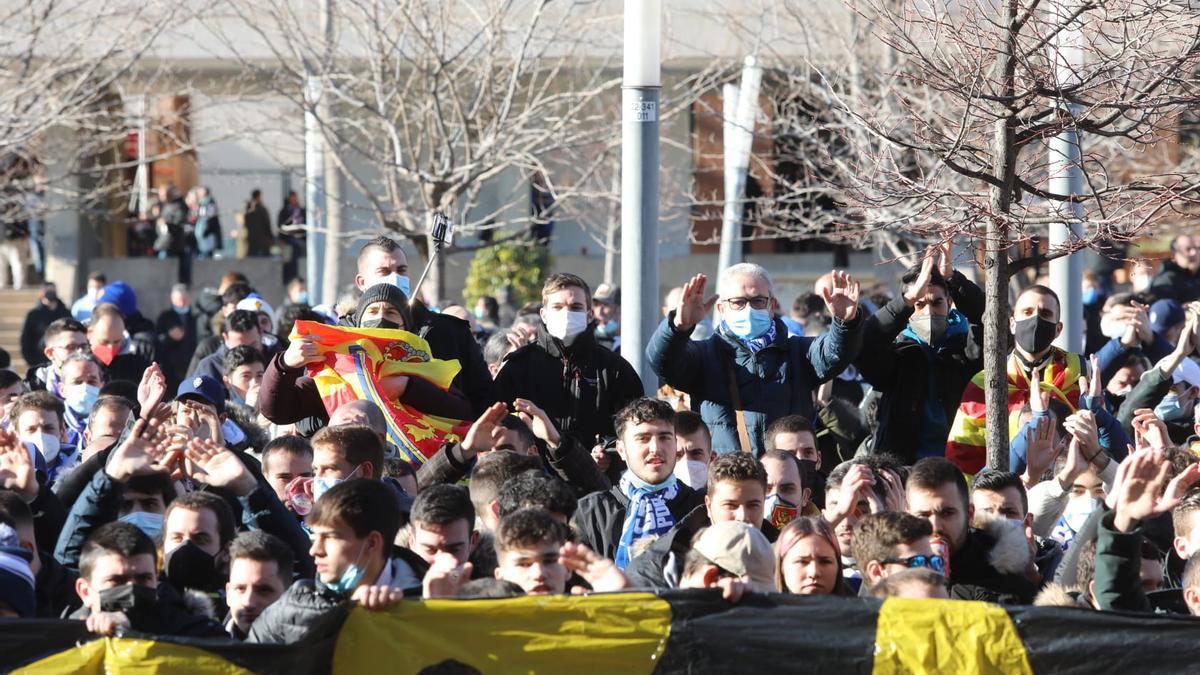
(778, 380)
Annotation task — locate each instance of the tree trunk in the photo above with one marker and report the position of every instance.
(995, 315)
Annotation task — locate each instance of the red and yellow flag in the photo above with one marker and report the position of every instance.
(356, 359)
(966, 445)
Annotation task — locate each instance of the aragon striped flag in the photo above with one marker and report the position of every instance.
(642, 633)
(968, 432)
(357, 359)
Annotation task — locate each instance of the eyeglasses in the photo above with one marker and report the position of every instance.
(74, 348)
(933, 562)
(757, 302)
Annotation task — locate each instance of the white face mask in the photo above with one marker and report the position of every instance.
(692, 473)
(46, 444)
(565, 324)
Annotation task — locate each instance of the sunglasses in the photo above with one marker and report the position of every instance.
(933, 562)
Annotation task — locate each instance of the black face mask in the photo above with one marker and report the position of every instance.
(190, 567)
(137, 602)
(379, 323)
(1035, 334)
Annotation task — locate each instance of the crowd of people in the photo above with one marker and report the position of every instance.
(184, 476)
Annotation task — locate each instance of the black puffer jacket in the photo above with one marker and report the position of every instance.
(305, 603)
(581, 386)
(601, 516)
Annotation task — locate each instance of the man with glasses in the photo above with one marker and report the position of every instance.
(64, 337)
(983, 565)
(890, 542)
(750, 372)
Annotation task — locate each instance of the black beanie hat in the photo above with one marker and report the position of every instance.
(388, 293)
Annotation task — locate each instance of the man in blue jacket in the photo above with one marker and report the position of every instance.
(774, 375)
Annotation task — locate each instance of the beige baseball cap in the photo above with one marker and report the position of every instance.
(742, 550)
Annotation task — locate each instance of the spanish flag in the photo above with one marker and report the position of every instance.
(966, 445)
(356, 359)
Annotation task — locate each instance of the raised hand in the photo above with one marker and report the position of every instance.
(151, 390)
(446, 577)
(538, 421)
(1082, 427)
(1145, 489)
(302, 351)
(855, 485)
(841, 296)
(1037, 400)
(1096, 386)
(214, 465)
(691, 310)
(1075, 465)
(1149, 432)
(602, 574)
(16, 467)
(143, 452)
(479, 437)
(920, 287)
(946, 258)
(1040, 449)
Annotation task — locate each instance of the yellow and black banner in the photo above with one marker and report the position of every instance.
(635, 633)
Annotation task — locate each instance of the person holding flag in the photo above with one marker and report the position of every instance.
(378, 360)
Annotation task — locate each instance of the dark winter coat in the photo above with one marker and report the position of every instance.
(778, 380)
(990, 566)
(170, 616)
(600, 518)
(289, 395)
(660, 566)
(1176, 283)
(302, 606)
(33, 332)
(899, 367)
(581, 386)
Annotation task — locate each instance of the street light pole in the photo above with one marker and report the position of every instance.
(641, 86)
(1066, 178)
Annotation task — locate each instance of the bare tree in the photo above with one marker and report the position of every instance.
(435, 102)
(922, 122)
(63, 71)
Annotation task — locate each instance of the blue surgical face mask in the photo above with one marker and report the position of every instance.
(81, 398)
(1172, 409)
(398, 280)
(748, 323)
(149, 523)
(350, 579)
(322, 485)
(302, 297)
(1091, 295)
(609, 328)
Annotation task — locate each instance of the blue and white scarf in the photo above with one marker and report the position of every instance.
(647, 514)
(753, 344)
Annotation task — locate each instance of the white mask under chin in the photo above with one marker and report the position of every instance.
(565, 325)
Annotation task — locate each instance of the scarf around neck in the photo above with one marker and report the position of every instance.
(647, 514)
